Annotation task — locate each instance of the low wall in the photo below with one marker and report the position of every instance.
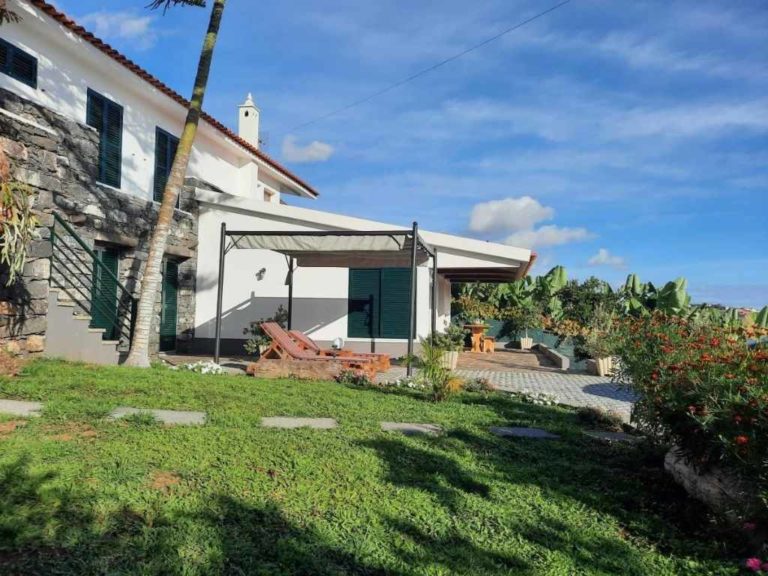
(560, 360)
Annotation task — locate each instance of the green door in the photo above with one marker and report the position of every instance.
(168, 312)
(104, 293)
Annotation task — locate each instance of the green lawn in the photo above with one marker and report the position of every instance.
(80, 494)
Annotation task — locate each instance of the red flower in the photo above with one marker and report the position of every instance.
(741, 440)
(714, 342)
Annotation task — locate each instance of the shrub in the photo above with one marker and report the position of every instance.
(702, 388)
(600, 419)
(201, 367)
(354, 378)
(479, 384)
(258, 337)
(433, 374)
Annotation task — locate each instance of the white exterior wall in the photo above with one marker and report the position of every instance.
(254, 280)
(68, 66)
(254, 285)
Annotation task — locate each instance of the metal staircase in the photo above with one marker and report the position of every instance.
(90, 312)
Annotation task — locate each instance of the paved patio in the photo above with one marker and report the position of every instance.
(515, 371)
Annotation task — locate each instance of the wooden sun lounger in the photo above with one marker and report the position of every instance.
(284, 347)
(382, 360)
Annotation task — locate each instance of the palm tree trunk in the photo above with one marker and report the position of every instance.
(150, 285)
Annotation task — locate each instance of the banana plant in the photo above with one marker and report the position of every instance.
(546, 289)
(761, 320)
(673, 298)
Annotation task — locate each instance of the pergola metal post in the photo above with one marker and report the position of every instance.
(220, 291)
(290, 292)
(412, 316)
(434, 292)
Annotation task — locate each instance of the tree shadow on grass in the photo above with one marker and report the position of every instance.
(46, 529)
(435, 469)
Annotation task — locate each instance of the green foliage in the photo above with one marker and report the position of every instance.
(432, 372)
(702, 388)
(257, 336)
(521, 318)
(599, 419)
(451, 340)
(354, 378)
(761, 320)
(581, 300)
(18, 227)
(598, 339)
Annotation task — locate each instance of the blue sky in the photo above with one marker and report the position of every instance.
(610, 136)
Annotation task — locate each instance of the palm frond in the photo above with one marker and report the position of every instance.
(6, 14)
(165, 4)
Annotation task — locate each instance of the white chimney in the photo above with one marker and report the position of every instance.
(248, 122)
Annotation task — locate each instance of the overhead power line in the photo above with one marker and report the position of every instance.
(425, 71)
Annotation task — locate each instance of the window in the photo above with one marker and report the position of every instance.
(379, 303)
(107, 118)
(165, 151)
(18, 64)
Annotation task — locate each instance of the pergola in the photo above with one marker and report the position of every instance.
(335, 248)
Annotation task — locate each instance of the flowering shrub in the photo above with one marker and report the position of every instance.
(756, 565)
(201, 367)
(702, 388)
(354, 378)
(538, 398)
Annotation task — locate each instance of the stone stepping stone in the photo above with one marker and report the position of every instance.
(612, 436)
(410, 429)
(19, 408)
(518, 432)
(291, 423)
(172, 417)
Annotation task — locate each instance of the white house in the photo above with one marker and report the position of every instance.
(52, 64)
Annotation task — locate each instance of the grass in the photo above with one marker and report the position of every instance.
(80, 494)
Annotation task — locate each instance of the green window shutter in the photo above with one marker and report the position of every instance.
(165, 151)
(395, 302)
(107, 118)
(169, 310)
(363, 303)
(18, 64)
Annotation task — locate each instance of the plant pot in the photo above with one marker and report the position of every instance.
(526, 343)
(449, 360)
(604, 366)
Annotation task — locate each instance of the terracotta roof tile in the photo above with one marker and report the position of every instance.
(99, 44)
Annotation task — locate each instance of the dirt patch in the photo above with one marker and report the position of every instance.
(163, 480)
(10, 365)
(69, 431)
(8, 428)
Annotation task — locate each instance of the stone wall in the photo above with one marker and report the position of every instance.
(58, 159)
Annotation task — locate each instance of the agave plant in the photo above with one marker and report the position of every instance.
(18, 225)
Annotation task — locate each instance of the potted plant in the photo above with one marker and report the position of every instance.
(18, 223)
(519, 319)
(450, 343)
(259, 342)
(598, 342)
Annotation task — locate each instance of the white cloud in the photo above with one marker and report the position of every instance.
(550, 235)
(315, 151)
(605, 258)
(122, 25)
(508, 215)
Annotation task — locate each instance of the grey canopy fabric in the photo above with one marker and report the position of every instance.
(343, 250)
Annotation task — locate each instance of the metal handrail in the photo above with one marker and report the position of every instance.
(75, 261)
(73, 264)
